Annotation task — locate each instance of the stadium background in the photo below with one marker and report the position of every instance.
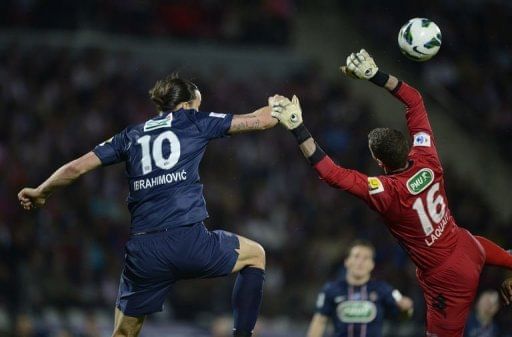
(74, 73)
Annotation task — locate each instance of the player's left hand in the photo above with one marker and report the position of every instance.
(406, 306)
(287, 112)
(360, 65)
(31, 198)
(506, 291)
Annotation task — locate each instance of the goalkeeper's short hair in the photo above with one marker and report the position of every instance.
(389, 146)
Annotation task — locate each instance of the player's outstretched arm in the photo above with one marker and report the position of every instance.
(317, 325)
(36, 197)
(362, 66)
(258, 120)
(289, 114)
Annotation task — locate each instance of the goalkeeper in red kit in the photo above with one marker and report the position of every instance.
(410, 196)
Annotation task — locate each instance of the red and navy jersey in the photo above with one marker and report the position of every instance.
(162, 159)
(358, 311)
(412, 202)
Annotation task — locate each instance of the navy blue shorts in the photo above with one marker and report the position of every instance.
(153, 262)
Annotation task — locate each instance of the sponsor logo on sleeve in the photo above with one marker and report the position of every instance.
(422, 139)
(420, 181)
(217, 115)
(375, 185)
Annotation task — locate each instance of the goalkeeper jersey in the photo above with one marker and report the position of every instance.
(413, 202)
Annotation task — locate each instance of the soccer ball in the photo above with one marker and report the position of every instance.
(419, 39)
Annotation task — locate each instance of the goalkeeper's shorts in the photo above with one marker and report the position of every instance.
(450, 289)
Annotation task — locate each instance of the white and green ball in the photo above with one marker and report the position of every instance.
(419, 39)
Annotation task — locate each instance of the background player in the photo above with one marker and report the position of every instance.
(168, 240)
(355, 304)
(412, 200)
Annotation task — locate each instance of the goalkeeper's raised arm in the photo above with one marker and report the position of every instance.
(289, 114)
(362, 66)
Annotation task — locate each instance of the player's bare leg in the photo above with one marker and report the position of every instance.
(248, 288)
(250, 254)
(126, 326)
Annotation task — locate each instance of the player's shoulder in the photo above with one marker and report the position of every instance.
(198, 115)
(334, 286)
(379, 285)
(381, 186)
(419, 176)
(201, 117)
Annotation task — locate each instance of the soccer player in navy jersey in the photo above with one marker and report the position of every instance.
(168, 240)
(355, 303)
(410, 197)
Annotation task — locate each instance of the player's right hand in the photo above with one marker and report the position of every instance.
(506, 291)
(287, 112)
(360, 65)
(30, 198)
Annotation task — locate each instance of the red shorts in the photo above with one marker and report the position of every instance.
(450, 289)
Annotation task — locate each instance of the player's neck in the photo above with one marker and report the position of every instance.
(406, 166)
(356, 281)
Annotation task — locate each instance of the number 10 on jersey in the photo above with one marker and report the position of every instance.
(435, 210)
(156, 154)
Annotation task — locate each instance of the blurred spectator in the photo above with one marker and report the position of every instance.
(248, 22)
(481, 322)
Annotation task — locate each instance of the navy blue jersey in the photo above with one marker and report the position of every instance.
(162, 159)
(357, 311)
(474, 328)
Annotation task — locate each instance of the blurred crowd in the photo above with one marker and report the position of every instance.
(474, 63)
(60, 104)
(248, 22)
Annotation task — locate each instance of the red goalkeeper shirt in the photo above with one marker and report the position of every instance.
(412, 202)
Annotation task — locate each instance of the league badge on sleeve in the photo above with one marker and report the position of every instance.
(217, 115)
(375, 185)
(422, 139)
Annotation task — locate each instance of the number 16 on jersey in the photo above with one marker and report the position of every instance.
(434, 212)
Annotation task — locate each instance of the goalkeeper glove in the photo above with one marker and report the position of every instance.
(360, 65)
(288, 113)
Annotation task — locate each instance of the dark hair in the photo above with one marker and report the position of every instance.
(171, 91)
(361, 243)
(389, 146)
